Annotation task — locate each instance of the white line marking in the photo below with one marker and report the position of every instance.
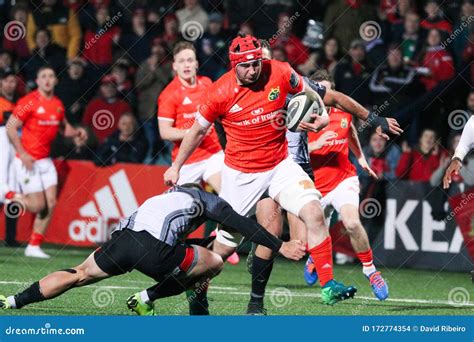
(225, 291)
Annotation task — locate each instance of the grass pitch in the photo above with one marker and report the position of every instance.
(412, 292)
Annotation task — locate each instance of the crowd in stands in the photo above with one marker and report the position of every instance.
(411, 60)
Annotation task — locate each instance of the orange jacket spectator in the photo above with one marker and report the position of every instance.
(441, 66)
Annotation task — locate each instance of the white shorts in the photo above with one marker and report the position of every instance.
(347, 192)
(243, 190)
(41, 177)
(201, 171)
(7, 155)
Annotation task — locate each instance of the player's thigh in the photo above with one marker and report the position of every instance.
(51, 195)
(48, 175)
(243, 190)
(90, 272)
(213, 169)
(347, 192)
(298, 229)
(350, 216)
(269, 215)
(208, 263)
(292, 188)
(192, 173)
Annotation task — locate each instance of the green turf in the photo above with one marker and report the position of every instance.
(287, 293)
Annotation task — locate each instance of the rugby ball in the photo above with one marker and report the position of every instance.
(300, 109)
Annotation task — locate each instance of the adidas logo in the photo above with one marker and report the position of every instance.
(235, 108)
(187, 101)
(327, 266)
(110, 203)
(40, 110)
(120, 202)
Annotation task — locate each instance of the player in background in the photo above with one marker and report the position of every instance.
(8, 85)
(39, 114)
(150, 242)
(336, 178)
(466, 144)
(249, 101)
(177, 108)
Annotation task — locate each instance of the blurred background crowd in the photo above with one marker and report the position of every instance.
(411, 60)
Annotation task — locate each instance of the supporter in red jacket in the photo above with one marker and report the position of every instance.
(418, 164)
(437, 61)
(103, 112)
(435, 19)
(99, 41)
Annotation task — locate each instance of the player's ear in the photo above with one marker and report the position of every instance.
(174, 67)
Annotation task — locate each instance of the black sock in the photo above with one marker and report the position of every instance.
(261, 270)
(10, 223)
(30, 295)
(167, 288)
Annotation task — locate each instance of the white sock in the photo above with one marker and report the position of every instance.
(11, 301)
(144, 297)
(368, 270)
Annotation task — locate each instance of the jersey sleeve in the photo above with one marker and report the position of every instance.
(209, 109)
(23, 109)
(291, 80)
(317, 87)
(166, 107)
(220, 211)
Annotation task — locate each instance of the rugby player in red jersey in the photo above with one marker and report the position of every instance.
(177, 108)
(40, 115)
(336, 179)
(249, 100)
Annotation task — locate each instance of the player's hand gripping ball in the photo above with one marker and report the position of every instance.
(302, 109)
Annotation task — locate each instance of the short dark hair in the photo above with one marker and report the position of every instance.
(43, 29)
(45, 67)
(323, 75)
(183, 45)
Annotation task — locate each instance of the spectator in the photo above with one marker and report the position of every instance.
(381, 158)
(152, 77)
(410, 37)
(418, 164)
(330, 56)
(192, 11)
(467, 59)
(343, 19)
(395, 11)
(103, 112)
(464, 25)
(246, 28)
(136, 42)
(171, 34)
(18, 46)
(124, 145)
(279, 54)
(45, 52)
(99, 42)
(296, 52)
(75, 148)
(61, 21)
(212, 49)
(124, 84)
(435, 18)
(6, 60)
(437, 62)
(393, 81)
(72, 89)
(352, 74)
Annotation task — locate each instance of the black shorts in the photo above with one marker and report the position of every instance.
(308, 169)
(129, 250)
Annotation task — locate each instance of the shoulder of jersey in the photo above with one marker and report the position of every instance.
(205, 80)
(169, 89)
